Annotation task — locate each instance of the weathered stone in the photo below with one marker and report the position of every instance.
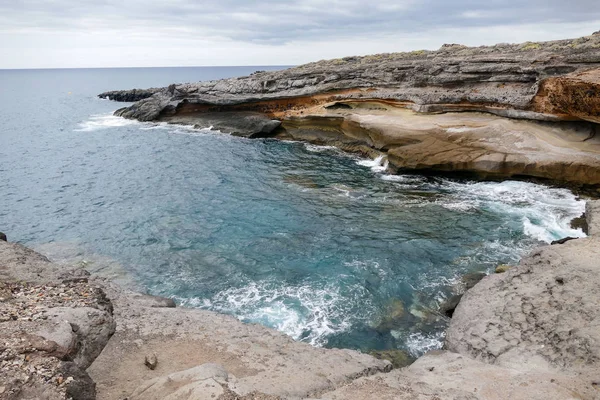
(500, 77)
(467, 281)
(450, 376)
(3, 237)
(573, 96)
(199, 383)
(539, 315)
(447, 307)
(592, 214)
(151, 361)
(155, 301)
(130, 95)
(263, 360)
(500, 269)
(53, 327)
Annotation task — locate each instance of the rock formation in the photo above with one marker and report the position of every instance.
(54, 323)
(389, 103)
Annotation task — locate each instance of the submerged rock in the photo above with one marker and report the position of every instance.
(398, 358)
(394, 316)
(580, 223)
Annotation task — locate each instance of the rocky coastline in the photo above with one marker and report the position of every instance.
(531, 332)
(522, 110)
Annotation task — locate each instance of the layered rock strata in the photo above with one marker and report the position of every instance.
(388, 102)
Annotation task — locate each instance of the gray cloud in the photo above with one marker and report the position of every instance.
(272, 23)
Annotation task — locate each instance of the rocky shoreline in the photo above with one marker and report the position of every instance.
(525, 110)
(531, 332)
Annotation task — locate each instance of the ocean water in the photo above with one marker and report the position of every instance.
(319, 244)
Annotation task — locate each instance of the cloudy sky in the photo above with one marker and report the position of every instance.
(128, 33)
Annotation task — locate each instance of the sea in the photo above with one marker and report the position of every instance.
(322, 245)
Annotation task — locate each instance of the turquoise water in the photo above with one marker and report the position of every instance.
(316, 243)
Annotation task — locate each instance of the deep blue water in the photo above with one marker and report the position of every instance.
(316, 243)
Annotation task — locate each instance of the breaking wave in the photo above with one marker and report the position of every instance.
(310, 312)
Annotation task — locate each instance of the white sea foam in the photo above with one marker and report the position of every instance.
(370, 266)
(319, 149)
(545, 212)
(419, 343)
(104, 121)
(154, 126)
(303, 312)
(403, 178)
(108, 121)
(379, 164)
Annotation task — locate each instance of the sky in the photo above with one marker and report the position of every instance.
(146, 33)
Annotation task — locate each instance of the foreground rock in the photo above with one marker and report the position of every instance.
(541, 315)
(255, 359)
(52, 326)
(385, 102)
(450, 376)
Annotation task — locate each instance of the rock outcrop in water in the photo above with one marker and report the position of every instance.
(529, 333)
(542, 105)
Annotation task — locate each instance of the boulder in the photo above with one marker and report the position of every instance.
(542, 314)
(82, 332)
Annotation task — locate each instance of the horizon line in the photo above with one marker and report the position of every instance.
(166, 66)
